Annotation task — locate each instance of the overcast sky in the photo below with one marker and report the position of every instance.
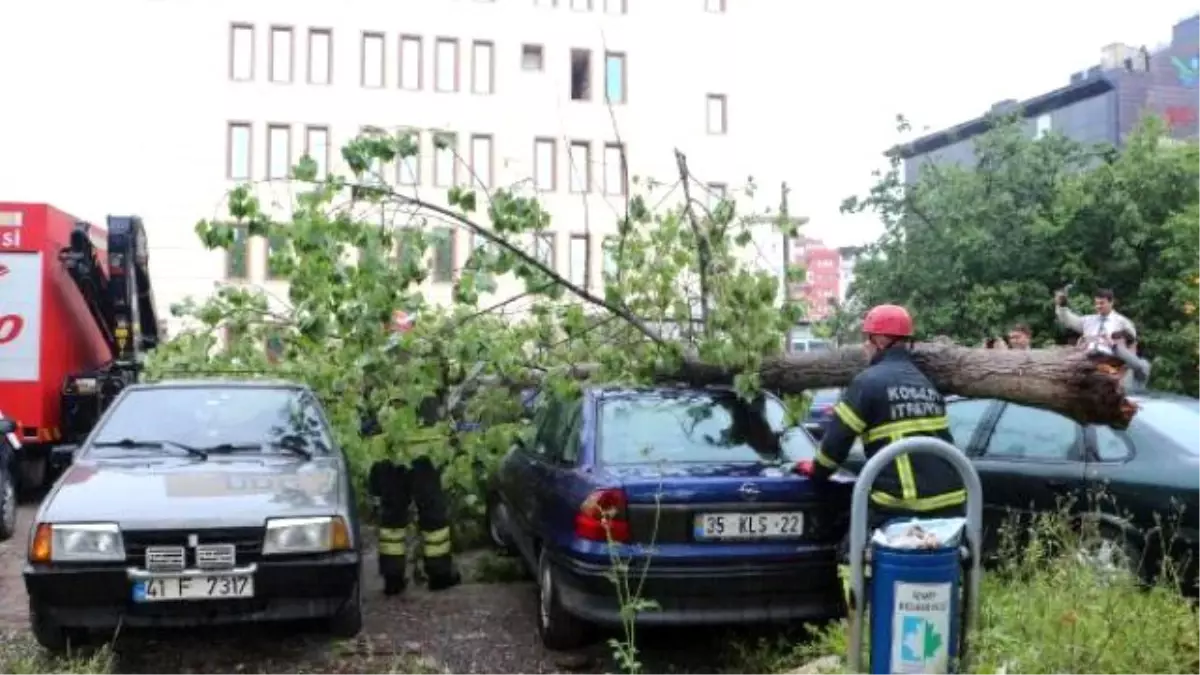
(938, 62)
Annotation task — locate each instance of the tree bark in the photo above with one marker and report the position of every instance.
(1065, 381)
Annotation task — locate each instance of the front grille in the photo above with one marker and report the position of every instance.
(215, 547)
(165, 558)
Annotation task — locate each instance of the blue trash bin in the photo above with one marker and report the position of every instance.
(915, 609)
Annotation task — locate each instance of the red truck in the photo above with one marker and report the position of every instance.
(76, 319)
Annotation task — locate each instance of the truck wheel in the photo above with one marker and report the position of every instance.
(33, 469)
(8, 504)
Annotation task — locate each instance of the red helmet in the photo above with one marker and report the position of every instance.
(891, 320)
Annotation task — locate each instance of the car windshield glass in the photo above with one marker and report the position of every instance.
(697, 427)
(217, 417)
(1176, 419)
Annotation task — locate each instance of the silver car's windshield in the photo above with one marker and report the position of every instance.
(212, 417)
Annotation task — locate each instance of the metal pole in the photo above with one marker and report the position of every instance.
(859, 506)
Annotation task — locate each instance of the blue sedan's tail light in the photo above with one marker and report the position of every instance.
(601, 516)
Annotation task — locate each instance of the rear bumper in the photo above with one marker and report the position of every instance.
(100, 597)
(804, 589)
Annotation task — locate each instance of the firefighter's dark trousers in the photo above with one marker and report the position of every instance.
(397, 487)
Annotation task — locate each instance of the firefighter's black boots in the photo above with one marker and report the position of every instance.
(433, 518)
(391, 484)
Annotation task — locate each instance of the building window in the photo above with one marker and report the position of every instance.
(581, 75)
(444, 148)
(1041, 126)
(276, 243)
(717, 124)
(481, 159)
(543, 248)
(446, 65)
(531, 58)
(483, 74)
(373, 66)
(374, 173)
(279, 151)
(236, 266)
(239, 151)
(316, 148)
(443, 254)
(412, 62)
(614, 169)
(544, 169)
(714, 6)
(581, 166)
(581, 5)
(241, 52)
(614, 77)
(320, 56)
(283, 48)
(408, 172)
(610, 267)
(614, 6)
(580, 261)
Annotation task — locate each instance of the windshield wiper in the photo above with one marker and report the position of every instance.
(245, 447)
(159, 445)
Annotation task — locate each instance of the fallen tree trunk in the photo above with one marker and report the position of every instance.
(1064, 380)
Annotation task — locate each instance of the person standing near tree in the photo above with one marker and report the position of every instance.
(1103, 323)
(1020, 336)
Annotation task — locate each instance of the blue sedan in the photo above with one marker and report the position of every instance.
(691, 488)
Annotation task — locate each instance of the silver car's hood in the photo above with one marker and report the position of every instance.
(171, 493)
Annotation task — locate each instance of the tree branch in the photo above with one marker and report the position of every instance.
(703, 252)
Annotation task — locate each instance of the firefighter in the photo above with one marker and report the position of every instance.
(888, 401)
(397, 487)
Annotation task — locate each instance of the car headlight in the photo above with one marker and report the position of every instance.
(77, 542)
(306, 535)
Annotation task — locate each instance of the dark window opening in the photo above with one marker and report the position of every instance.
(581, 75)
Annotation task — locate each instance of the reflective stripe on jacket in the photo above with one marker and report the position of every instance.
(888, 401)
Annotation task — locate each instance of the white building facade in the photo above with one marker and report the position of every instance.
(159, 107)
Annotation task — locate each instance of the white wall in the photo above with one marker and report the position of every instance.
(122, 106)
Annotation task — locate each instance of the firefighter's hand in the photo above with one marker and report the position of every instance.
(804, 468)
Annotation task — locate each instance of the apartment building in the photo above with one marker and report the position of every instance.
(187, 99)
(822, 266)
(1104, 103)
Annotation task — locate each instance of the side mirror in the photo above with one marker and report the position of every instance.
(8, 427)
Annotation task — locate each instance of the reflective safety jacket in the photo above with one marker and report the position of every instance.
(888, 401)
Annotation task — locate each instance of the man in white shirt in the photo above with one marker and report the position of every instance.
(1103, 323)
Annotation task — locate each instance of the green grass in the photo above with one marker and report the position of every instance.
(1045, 610)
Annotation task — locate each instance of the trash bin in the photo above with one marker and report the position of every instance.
(920, 618)
(915, 609)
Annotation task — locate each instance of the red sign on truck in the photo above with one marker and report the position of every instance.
(20, 314)
(10, 229)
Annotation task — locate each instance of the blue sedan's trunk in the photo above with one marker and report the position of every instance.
(730, 509)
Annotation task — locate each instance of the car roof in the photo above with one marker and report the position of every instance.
(216, 383)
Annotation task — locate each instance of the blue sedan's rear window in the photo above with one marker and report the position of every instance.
(688, 428)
